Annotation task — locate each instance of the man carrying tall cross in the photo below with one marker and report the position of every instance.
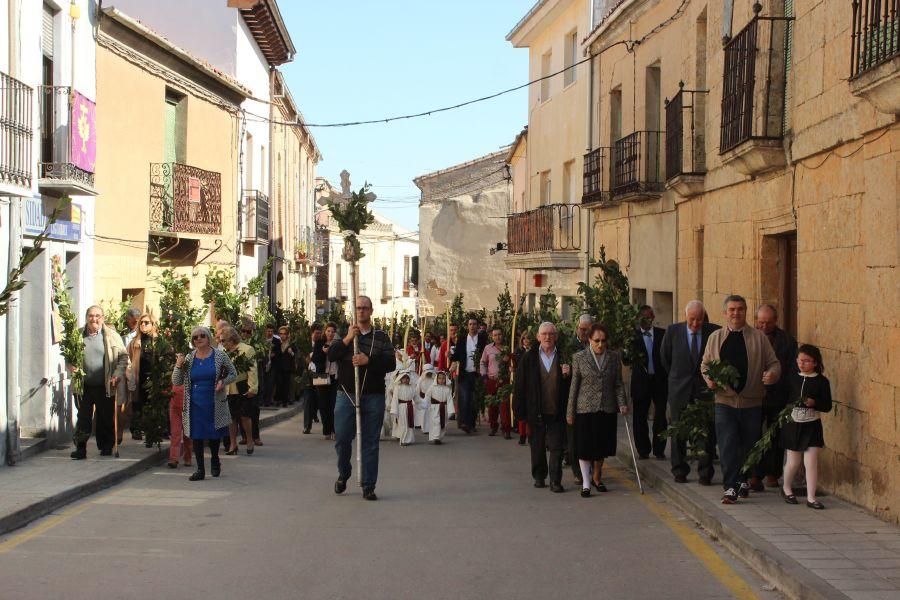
(375, 359)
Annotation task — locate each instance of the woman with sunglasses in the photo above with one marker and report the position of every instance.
(205, 374)
(596, 396)
(241, 393)
(142, 351)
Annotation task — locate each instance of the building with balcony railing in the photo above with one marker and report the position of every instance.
(185, 200)
(796, 203)
(16, 134)
(68, 142)
(547, 237)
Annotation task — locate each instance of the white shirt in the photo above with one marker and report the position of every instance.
(130, 336)
(547, 359)
(471, 348)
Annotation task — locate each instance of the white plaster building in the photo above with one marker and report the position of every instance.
(47, 75)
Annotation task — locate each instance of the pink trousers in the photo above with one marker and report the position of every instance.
(179, 444)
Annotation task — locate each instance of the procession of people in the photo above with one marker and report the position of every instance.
(564, 405)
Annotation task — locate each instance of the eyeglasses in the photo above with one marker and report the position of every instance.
(194, 338)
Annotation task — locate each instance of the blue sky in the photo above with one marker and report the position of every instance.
(366, 59)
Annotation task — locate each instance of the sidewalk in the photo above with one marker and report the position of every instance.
(840, 552)
(47, 481)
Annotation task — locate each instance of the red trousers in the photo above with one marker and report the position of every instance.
(500, 410)
(180, 444)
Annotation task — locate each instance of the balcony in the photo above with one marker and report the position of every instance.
(255, 221)
(16, 133)
(68, 142)
(185, 199)
(308, 249)
(685, 142)
(875, 53)
(597, 188)
(753, 96)
(548, 237)
(637, 167)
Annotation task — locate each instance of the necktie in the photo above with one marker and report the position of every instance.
(648, 343)
(695, 347)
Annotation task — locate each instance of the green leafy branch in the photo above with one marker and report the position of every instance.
(15, 282)
(767, 441)
(72, 344)
(693, 425)
(723, 375)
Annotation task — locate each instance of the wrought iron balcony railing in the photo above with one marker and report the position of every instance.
(16, 132)
(67, 147)
(637, 164)
(555, 227)
(596, 176)
(185, 199)
(685, 138)
(753, 92)
(875, 34)
(308, 246)
(255, 221)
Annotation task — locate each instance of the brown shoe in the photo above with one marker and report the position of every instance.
(771, 481)
(756, 484)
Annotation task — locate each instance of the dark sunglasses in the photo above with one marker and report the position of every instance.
(146, 323)
(198, 337)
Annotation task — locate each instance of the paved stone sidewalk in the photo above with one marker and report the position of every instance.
(43, 483)
(839, 552)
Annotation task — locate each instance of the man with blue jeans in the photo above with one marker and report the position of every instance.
(739, 407)
(375, 359)
(465, 358)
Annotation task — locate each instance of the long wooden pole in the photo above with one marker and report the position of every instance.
(354, 287)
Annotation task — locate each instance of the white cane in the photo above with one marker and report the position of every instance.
(633, 455)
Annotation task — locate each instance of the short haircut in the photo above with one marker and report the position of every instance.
(331, 324)
(316, 327)
(496, 328)
(733, 298)
(230, 335)
(599, 327)
(545, 325)
(204, 330)
(367, 298)
(644, 307)
(134, 313)
(768, 306)
(585, 319)
(692, 305)
(90, 308)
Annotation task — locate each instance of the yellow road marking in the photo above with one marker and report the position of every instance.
(46, 525)
(699, 547)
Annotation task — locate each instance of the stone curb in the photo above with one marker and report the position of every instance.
(44, 507)
(786, 574)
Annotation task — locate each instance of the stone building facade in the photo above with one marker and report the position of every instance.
(775, 174)
(462, 216)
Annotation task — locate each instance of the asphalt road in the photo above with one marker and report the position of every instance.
(460, 520)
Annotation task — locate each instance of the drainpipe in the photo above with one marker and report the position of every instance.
(11, 444)
(590, 146)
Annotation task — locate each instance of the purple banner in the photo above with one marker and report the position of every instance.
(83, 132)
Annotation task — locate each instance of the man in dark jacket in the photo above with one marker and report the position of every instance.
(681, 355)
(541, 395)
(777, 394)
(375, 360)
(465, 358)
(648, 385)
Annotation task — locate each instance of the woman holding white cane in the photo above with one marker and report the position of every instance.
(596, 397)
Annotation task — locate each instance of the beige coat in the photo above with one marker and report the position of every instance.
(760, 358)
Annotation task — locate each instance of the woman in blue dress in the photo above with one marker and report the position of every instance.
(204, 373)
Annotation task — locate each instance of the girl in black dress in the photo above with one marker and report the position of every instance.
(802, 437)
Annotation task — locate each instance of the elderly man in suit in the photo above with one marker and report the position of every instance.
(681, 354)
(541, 396)
(739, 407)
(648, 385)
(465, 362)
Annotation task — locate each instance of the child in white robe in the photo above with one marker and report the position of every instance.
(403, 401)
(440, 399)
(423, 410)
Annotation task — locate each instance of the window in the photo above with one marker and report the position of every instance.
(652, 99)
(571, 54)
(545, 71)
(568, 196)
(385, 296)
(175, 134)
(663, 308)
(338, 281)
(639, 296)
(545, 188)
(406, 273)
(615, 116)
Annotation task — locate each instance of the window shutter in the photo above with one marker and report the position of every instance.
(788, 57)
(47, 32)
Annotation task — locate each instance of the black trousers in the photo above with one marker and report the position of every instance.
(653, 392)
(311, 408)
(549, 433)
(678, 449)
(95, 397)
(282, 387)
(465, 400)
(772, 462)
(325, 396)
(213, 450)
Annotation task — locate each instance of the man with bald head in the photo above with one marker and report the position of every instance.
(681, 355)
(541, 396)
(777, 394)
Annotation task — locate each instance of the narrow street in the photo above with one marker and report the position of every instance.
(459, 520)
